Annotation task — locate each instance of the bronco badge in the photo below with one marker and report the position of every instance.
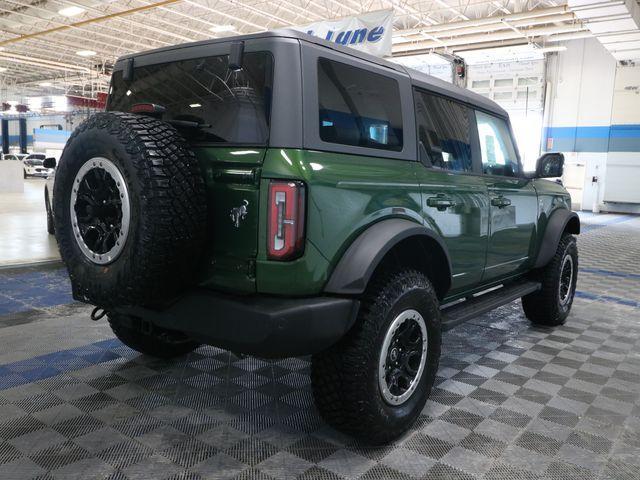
(238, 213)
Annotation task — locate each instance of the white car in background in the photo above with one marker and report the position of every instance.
(33, 166)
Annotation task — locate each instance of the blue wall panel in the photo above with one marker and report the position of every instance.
(614, 138)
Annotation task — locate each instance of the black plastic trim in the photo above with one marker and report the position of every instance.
(475, 306)
(555, 226)
(355, 268)
(266, 326)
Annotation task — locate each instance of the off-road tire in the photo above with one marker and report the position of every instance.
(345, 377)
(157, 343)
(544, 306)
(168, 214)
(51, 229)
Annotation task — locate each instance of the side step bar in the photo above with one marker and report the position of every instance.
(477, 305)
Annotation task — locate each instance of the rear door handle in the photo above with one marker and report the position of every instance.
(440, 202)
(500, 202)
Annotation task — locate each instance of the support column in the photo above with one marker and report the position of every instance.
(5, 135)
(23, 134)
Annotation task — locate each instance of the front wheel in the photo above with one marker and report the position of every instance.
(551, 304)
(154, 342)
(374, 383)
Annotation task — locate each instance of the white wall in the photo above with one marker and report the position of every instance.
(588, 94)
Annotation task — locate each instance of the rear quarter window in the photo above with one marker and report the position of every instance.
(358, 107)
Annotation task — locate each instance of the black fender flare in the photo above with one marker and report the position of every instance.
(358, 263)
(556, 225)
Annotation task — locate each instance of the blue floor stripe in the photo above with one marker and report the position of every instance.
(611, 273)
(606, 223)
(55, 363)
(33, 289)
(607, 298)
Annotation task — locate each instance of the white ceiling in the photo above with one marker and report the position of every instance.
(39, 43)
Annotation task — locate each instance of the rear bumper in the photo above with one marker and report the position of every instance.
(258, 325)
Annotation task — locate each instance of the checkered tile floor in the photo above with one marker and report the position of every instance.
(511, 401)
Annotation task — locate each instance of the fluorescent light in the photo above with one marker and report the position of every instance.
(559, 48)
(86, 53)
(70, 11)
(128, 93)
(3, 69)
(195, 105)
(45, 84)
(222, 28)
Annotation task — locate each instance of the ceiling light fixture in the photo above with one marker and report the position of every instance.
(86, 53)
(70, 11)
(195, 105)
(45, 84)
(222, 28)
(3, 69)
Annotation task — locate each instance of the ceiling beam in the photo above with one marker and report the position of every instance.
(90, 21)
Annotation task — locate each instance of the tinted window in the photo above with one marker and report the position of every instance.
(443, 132)
(498, 153)
(358, 107)
(232, 106)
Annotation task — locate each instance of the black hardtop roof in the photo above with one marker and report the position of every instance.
(419, 79)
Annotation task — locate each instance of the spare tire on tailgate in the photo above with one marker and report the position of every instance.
(130, 210)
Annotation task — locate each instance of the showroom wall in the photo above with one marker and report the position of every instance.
(593, 116)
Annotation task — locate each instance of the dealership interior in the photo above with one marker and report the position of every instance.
(511, 398)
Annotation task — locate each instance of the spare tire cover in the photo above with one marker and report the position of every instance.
(130, 210)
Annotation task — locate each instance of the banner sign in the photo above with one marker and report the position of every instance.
(369, 32)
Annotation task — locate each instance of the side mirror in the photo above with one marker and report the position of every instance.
(550, 165)
(49, 162)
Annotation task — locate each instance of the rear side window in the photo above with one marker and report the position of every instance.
(498, 153)
(358, 107)
(443, 132)
(227, 107)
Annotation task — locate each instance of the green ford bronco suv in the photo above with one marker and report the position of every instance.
(278, 195)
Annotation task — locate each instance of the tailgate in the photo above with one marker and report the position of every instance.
(232, 178)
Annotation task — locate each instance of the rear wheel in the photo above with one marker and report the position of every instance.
(149, 340)
(551, 304)
(374, 383)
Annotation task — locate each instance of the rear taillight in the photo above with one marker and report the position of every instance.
(286, 220)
